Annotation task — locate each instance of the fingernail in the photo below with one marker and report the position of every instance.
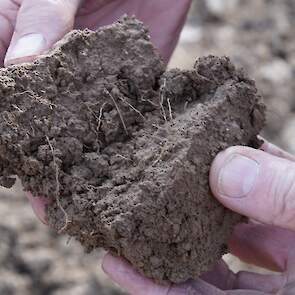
(237, 177)
(27, 46)
(112, 264)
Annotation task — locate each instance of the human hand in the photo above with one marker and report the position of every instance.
(258, 184)
(267, 241)
(31, 27)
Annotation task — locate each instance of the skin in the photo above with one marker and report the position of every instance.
(267, 240)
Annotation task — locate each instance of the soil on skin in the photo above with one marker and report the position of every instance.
(123, 149)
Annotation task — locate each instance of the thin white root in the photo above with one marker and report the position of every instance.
(118, 110)
(132, 107)
(57, 191)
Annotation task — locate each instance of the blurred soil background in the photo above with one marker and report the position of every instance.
(258, 35)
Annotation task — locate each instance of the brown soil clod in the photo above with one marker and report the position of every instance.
(124, 148)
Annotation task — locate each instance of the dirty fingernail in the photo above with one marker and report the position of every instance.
(237, 177)
(27, 46)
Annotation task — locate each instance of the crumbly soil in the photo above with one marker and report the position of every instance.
(123, 149)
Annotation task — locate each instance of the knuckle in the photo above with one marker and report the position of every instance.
(48, 10)
(282, 194)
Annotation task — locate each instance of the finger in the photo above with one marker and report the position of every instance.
(8, 12)
(123, 274)
(246, 292)
(265, 246)
(135, 284)
(164, 18)
(199, 287)
(39, 24)
(39, 207)
(224, 279)
(276, 151)
(245, 284)
(269, 284)
(129, 279)
(255, 184)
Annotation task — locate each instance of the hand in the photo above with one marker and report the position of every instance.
(267, 197)
(258, 184)
(30, 27)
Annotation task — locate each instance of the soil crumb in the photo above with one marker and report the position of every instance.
(123, 147)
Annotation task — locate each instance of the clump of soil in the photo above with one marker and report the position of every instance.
(123, 149)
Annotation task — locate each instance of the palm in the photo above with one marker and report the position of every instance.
(264, 246)
(261, 245)
(153, 13)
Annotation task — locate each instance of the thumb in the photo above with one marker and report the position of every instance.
(39, 24)
(256, 184)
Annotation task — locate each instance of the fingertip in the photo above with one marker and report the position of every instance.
(109, 263)
(39, 25)
(25, 48)
(39, 205)
(120, 272)
(256, 184)
(118, 269)
(218, 163)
